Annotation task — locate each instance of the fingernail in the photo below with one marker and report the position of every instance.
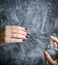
(26, 29)
(23, 39)
(28, 34)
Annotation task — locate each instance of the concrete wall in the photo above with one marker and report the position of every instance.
(40, 17)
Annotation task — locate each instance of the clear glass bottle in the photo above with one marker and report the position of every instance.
(52, 51)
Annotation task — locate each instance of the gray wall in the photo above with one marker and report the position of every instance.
(40, 17)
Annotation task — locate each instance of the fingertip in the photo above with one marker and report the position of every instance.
(27, 34)
(55, 39)
(26, 29)
(45, 52)
(23, 40)
(51, 36)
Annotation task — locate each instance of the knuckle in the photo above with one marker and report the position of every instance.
(7, 26)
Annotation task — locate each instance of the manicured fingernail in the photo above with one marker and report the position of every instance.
(28, 34)
(26, 29)
(23, 39)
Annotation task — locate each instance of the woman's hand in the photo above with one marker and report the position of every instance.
(47, 56)
(13, 34)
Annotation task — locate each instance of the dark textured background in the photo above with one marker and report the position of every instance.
(40, 17)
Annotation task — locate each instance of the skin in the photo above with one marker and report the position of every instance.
(13, 34)
(47, 56)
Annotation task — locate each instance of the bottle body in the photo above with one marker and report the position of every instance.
(52, 51)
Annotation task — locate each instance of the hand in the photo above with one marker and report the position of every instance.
(47, 56)
(13, 34)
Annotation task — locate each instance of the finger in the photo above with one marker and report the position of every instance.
(47, 46)
(19, 32)
(48, 57)
(55, 44)
(54, 39)
(19, 28)
(16, 40)
(19, 36)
